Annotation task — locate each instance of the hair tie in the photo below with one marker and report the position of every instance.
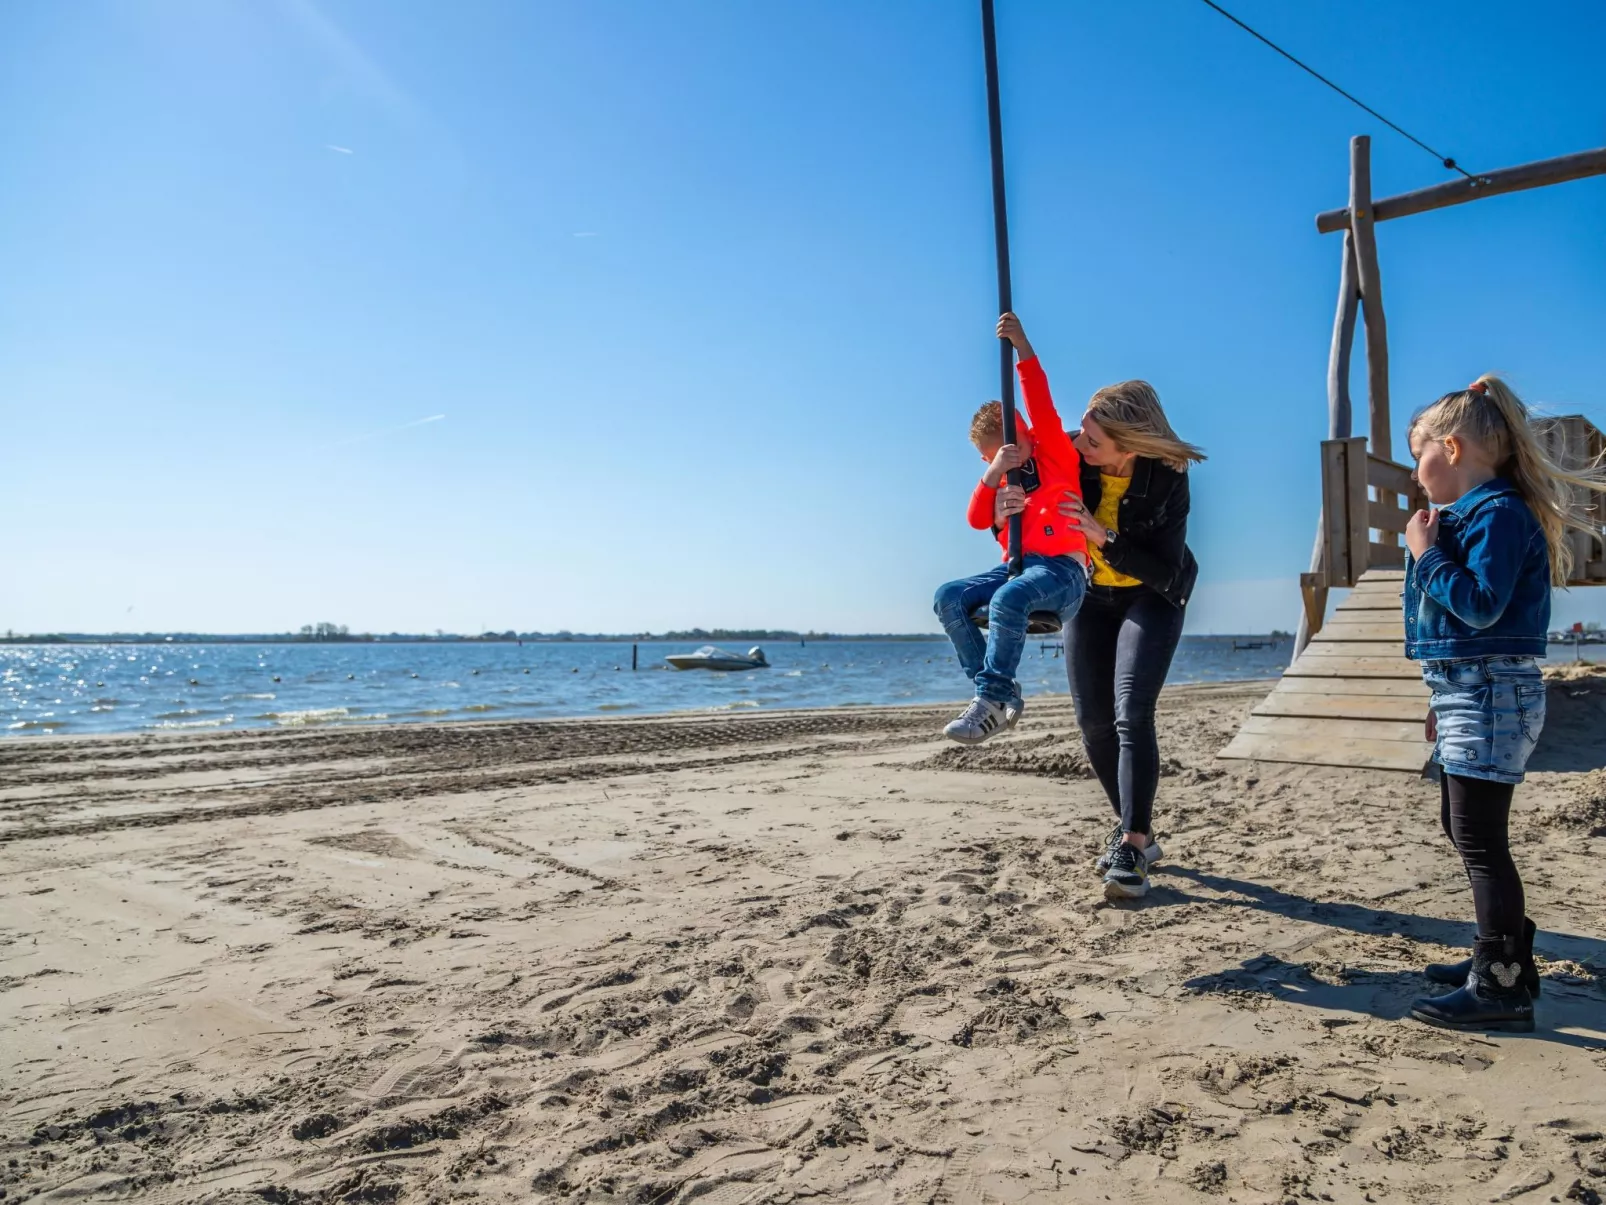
(1478, 387)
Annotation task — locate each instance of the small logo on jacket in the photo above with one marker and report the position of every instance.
(1048, 530)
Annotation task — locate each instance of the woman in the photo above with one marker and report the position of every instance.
(1134, 512)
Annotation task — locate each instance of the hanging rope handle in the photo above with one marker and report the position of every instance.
(1006, 353)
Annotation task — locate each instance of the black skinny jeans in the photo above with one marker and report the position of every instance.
(1119, 648)
(1475, 813)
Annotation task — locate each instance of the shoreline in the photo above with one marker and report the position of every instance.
(726, 711)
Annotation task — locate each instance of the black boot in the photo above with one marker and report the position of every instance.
(1455, 973)
(1493, 999)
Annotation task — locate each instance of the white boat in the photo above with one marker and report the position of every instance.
(709, 657)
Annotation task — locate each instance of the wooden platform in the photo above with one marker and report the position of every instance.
(1351, 699)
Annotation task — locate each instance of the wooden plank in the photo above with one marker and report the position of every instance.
(1313, 596)
(1385, 554)
(1355, 501)
(1368, 602)
(1363, 650)
(1385, 575)
(1378, 590)
(1399, 687)
(1335, 517)
(1352, 667)
(1357, 648)
(1389, 476)
(1387, 517)
(1370, 280)
(1336, 727)
(1372, 623)
(1335, 633)
(1355, 707)
(1538, 174)
(1352, 752)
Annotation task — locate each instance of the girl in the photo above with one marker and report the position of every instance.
(1477, 608)
(1134, 513)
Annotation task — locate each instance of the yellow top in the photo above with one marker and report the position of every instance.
(1108, 512)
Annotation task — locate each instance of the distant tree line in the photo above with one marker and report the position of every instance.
(327, 631)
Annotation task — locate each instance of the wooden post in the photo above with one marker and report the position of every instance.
(1545, 172)
(1340, 414)
(1340, 422)
(632, 657)
(1345, 510)
(1371, 286)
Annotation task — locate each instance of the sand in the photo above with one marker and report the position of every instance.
(771, 957)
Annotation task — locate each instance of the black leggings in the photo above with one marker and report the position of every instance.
(1474, 813)
(1119, 648)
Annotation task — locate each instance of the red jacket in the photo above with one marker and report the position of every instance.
(1054, 472)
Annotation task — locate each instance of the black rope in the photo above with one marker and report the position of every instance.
(1444, 159)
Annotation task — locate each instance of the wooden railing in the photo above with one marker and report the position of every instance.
(1366, 503)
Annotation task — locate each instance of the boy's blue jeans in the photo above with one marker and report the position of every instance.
(1048, 583)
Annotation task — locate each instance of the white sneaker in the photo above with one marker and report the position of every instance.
(982, 719)
(1013, 710)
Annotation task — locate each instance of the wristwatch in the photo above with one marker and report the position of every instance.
(1109, 536)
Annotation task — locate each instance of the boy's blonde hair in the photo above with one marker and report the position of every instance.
(1131, 415)
(987, 426)
(1489, 414)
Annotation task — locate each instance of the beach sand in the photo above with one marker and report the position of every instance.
(768, 957)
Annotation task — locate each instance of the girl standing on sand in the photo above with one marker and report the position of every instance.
(1477, 609)
(1134, 512)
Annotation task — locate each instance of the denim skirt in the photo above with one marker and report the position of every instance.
(1489, 712)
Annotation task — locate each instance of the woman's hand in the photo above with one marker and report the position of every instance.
(1009, 327)
(1422, 532)
(1430, 727)
(1011, 500)
(1072, 508)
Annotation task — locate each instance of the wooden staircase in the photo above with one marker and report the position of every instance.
(1351, 698)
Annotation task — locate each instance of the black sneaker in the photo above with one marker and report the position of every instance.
(1128, 876)
(1152, 852)
(1112, 843)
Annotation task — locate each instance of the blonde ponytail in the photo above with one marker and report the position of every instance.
(1493, 417)
(1131, 415)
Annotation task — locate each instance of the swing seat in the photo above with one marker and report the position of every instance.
(1038, 623)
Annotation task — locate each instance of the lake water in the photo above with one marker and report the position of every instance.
(79, 688)
(84, 688)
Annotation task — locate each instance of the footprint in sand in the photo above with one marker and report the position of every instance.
(416, 1076)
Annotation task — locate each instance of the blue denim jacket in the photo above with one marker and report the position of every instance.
(1483, 590)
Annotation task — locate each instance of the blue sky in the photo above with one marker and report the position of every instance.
(704, 291)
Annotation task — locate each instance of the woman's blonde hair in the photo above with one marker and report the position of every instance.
(1131, 415)
(1489, 414)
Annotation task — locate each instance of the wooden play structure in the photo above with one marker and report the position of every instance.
(1350, 698)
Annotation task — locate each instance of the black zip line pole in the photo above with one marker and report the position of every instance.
(1006, 353)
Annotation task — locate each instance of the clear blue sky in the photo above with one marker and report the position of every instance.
(704, 291)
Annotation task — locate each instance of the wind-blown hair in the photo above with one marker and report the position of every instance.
(1489, 414)
(1131, 415)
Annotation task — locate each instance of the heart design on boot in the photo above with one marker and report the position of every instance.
(1506, 976)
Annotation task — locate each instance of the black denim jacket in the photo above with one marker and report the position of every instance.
(1151, 530)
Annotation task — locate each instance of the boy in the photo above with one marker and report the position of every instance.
(1055, 551)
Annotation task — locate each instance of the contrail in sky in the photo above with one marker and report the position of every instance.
(357, 439)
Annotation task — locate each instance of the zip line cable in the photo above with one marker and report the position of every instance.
(1444, 159)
